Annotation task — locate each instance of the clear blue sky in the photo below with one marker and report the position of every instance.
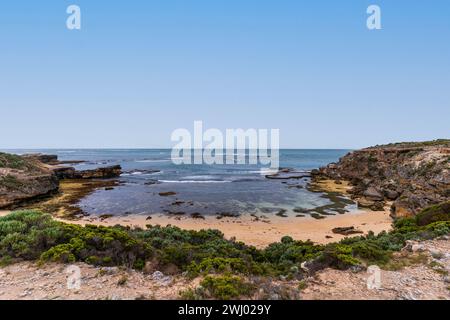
(140, 69)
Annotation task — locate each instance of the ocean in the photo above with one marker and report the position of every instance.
(201, 189)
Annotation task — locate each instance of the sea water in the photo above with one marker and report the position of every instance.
(199, 189)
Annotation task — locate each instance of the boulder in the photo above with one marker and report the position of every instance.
(346, 231)
(374, 194)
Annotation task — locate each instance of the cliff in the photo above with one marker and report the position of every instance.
(26, 177)
(23, 179)
(412, 175)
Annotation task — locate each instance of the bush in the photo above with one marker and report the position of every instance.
(32, 235)
(440, 212)
(338, 256)
(226, 287)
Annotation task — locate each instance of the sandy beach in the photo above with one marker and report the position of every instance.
(262, 232)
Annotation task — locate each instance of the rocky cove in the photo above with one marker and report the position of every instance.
(409, 176)
(232, 256)
(28, 178)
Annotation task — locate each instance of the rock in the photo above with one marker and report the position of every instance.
(151, 182)
(391, 195)
(304, 267)
(346, 231)
(110, 270)
(371, 204)
(64, 172)
(161, 279)
(157, 275)
(282, 213)
(417, 248)
(197, 215)
(99, 173)
(436, 254)
(275, 297)
(168, 193)
(409, 245)
(287, 174)
(415, 175)
(23, 179)
(373, 194)
(44, 158)
(26, 293)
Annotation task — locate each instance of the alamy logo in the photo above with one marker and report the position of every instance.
(73, 22)
(374, 279)
(74, 277)
(374, 20)
(236, 146)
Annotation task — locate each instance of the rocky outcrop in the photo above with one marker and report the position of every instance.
(23, 179)
(412, 175)
(44, 158)
(99, 173)
(26, 177)
(50, 159)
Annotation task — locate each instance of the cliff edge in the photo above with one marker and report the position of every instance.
(412, 175)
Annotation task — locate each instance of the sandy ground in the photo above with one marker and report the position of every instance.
(260, 232)
(427, 280)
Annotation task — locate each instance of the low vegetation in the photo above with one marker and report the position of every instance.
(12, 161)
(32, 235)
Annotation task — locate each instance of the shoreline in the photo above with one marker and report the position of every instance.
(247, 228)
(257, 233)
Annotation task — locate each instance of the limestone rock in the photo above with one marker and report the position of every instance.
(415, 175)
(23, 179)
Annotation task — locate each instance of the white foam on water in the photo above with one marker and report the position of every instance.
(194, 181)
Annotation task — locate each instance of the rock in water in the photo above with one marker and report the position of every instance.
(99, 173)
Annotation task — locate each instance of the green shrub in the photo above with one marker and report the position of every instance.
(440, 212)
(219, 265)
(339, 256)
(226, 287)
(12, 161)
(32, 235)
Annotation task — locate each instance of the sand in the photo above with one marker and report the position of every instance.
(261, 233)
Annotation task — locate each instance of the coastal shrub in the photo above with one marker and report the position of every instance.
(220, 265)
(12, 161)
(33, 235)
(26, 234)
(226, 287)
(440, 212)
(338, 256)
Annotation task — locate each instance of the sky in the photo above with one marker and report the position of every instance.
(138, 70)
